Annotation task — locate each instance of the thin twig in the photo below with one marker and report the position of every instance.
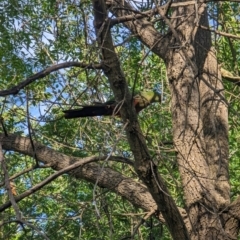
(19, 216)
(50, 179)
(25, 171)
(30, 131)
(143, 220)
(103, 166)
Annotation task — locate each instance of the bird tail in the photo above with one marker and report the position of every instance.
(89, 111)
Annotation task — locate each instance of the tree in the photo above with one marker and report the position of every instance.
(172, 173)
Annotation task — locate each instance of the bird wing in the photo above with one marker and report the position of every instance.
(140, 101)
(89, 111)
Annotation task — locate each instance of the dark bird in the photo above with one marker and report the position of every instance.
(140, 101)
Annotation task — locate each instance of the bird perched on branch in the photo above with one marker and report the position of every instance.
(140, 101)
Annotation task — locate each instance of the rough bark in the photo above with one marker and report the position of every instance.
(214, 114)
(144, 166)
(199, 126)
(134, 192)
(141, 28)
(199, 114)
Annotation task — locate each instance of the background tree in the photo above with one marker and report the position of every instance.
(164, 174)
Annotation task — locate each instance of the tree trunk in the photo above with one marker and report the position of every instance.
(144, 166)
(199, 114)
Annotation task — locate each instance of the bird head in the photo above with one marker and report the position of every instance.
(151, 96)
(145, 98)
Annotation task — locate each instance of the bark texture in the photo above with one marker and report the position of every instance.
(135, 192)
(200, 128)
(199, 115)
(144, 166)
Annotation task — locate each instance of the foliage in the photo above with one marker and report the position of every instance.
(37, 34)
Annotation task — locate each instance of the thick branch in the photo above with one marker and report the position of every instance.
(142, 28)
(45, 72)
(135, 192)
(144, 166)
(145, 14)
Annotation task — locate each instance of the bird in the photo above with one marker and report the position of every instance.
(111, 107)
(13, 188)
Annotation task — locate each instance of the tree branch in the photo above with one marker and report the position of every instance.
(133, 191)
(143, 28)
(145, 14)
(23, 172)
(144, 166)
(13, 202)
(219, 32)
(47, 71)
(8, 186)
(49, 179)
(229, 77)
(109, 178)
